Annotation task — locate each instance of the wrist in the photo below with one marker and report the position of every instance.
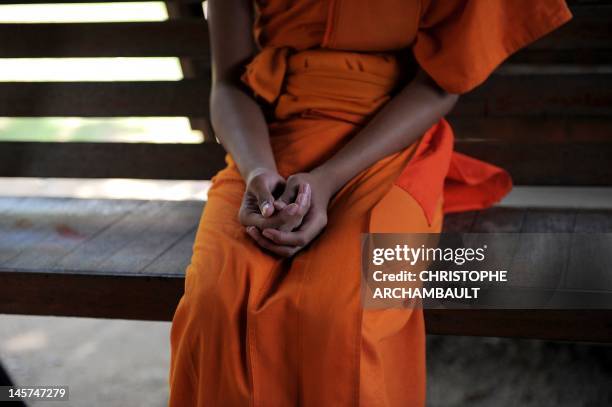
(249, 173)
(328, 183)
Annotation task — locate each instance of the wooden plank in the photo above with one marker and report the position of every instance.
(173, 222)
(155, 298)
(590, 245)
(586, 39)
(535, 163)
(503, 95)
(549, 221)
(104, 245)
(546, 164)
(533, 129)
(584, 56)
(84, 295)
(102, 99)
(575, 325)
(175, 260)
(9, 203)
(498, 220)
(42, 231)
(193, 68)
(459, 222)
(111, 160)
(31, 221)
(589, 29)
(554, 94)
(186, 37)
(541, 256)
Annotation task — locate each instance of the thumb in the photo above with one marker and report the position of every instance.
(264, 197)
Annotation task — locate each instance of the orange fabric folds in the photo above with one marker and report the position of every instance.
(256, 330)
(459, 43)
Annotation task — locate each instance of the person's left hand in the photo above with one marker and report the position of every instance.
(286, 243)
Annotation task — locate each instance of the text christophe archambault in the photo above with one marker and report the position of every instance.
(395, 272)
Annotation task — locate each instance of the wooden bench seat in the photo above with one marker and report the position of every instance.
(126, 259)
(545, 115)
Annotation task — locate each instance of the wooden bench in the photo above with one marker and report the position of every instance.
(546, 116)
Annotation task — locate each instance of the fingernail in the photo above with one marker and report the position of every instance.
(292, 209)
(264, 207)
(267, 233)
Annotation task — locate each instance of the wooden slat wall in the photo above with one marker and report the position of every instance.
(549, 109)
(559, 95)
(109, 160)
(585, 40)
(535, 163)
(187, 37)
(104, 99)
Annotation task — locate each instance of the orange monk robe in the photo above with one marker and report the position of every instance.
(256, 330)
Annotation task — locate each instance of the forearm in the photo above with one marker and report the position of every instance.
(236, 117)
(241, 127)
(401, 122)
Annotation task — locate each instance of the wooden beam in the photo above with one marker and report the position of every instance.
(565, 325)
(533, 163)
(155, 298)
(111, 160)
(540, 94)
(188, 37)
(504, 95)
(533, 129)
(194, 68)
(569, 164)
(104, 99)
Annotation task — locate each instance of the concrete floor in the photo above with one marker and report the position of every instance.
(104, 362)
(124, 363)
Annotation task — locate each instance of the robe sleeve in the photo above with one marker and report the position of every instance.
(460, 42)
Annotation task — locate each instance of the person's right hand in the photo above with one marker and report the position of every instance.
(258, 205)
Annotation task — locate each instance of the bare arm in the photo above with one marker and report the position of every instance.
(236, 117)
(420, 105)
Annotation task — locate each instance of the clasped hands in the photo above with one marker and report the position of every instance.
(284, 215)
